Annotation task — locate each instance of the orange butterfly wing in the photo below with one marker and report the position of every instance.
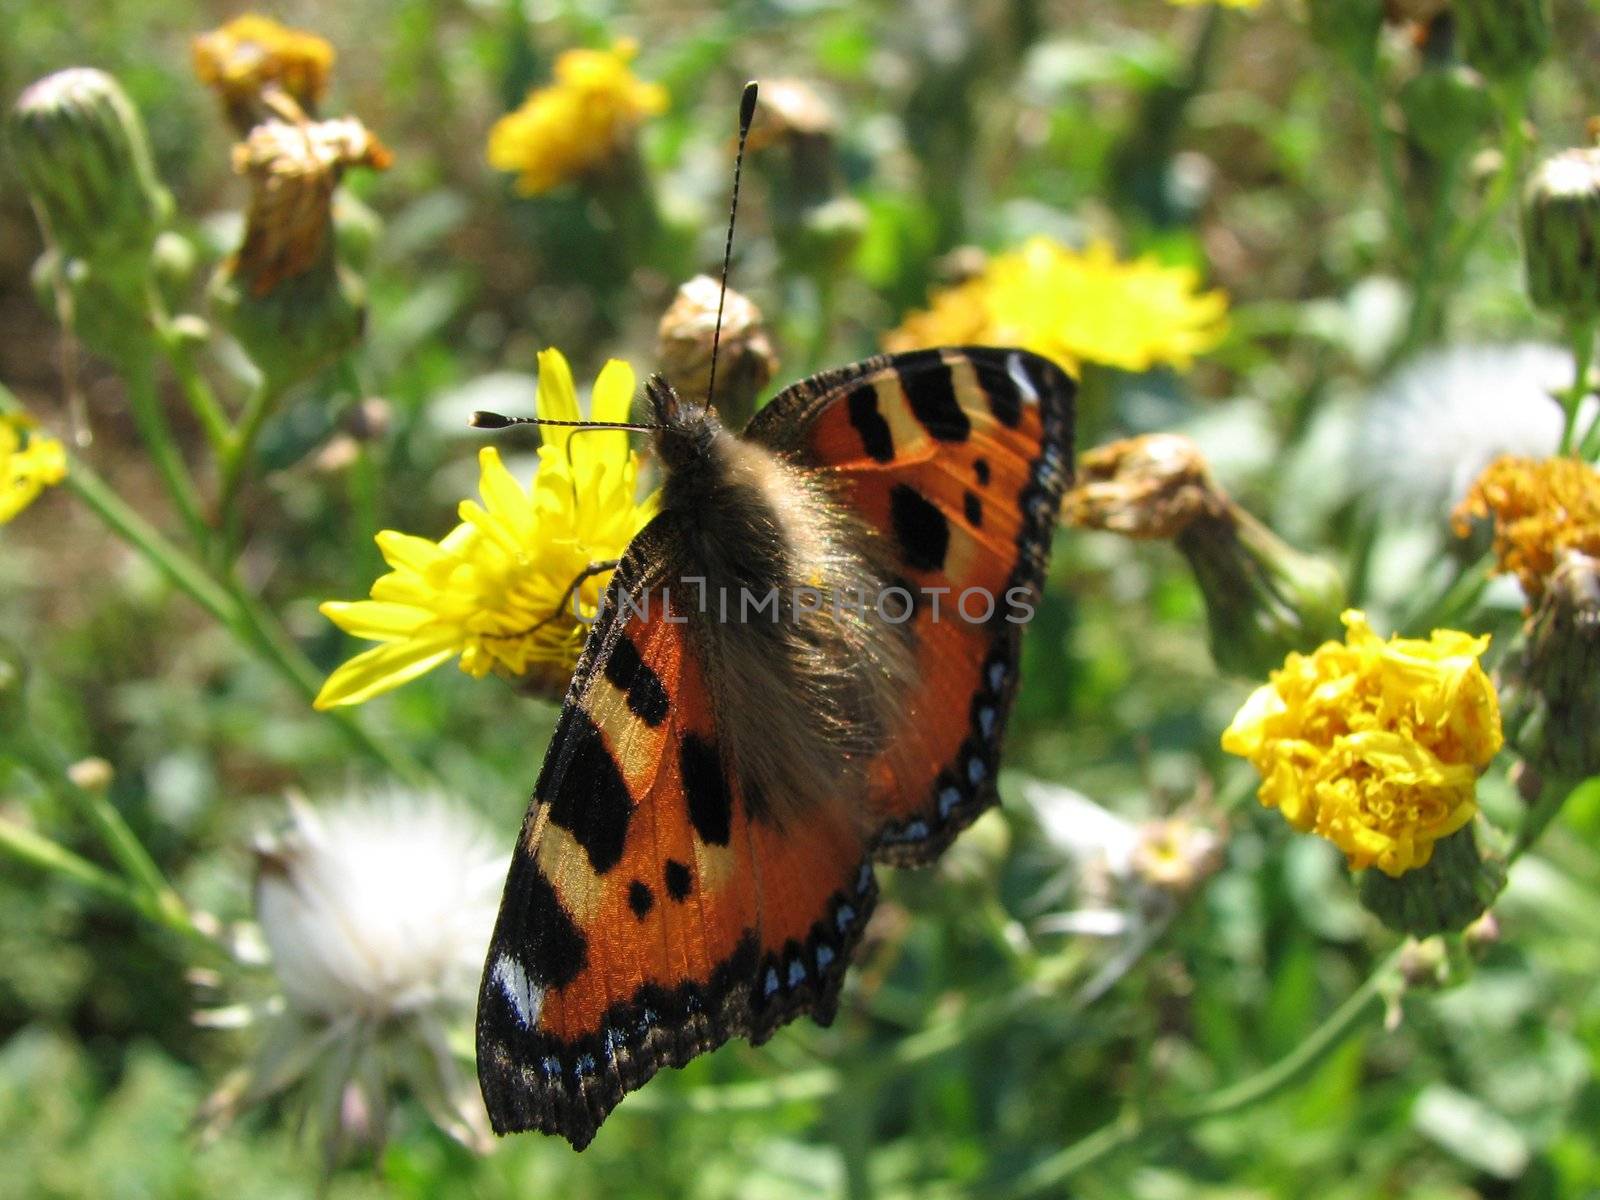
(960, 457)
(646, 919)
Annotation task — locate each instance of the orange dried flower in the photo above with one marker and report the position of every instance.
(1541, 510)
(252, 55)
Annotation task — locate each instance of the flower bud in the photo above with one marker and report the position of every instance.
(1505, 39)
(1552, 703)
(174, 260)
(285, 295)
(1561, 234)
(82, 152)
(1349, 29)
(1447, 110)
(1263, 598)
(1445, 895)
(745, 359)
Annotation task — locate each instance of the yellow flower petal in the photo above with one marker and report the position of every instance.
(491, 590)
(374, 620)
(382, 669)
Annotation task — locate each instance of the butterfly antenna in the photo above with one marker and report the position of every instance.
(493, 420)
(747, 114)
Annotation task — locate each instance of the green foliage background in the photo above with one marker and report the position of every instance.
(968, 1050)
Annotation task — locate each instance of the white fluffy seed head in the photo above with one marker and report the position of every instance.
(378, 906)
(1432, 427)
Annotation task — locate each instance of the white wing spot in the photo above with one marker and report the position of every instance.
(525, 999)
(1019, 376)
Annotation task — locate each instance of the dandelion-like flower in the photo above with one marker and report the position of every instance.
(1542, 510)
(1432, 427)
(1375, 745)
(29, 462)
(579, 123)
(252, 56)
(498, 590)
(1075, 307)
(377, 913)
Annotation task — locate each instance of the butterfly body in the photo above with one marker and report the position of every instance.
(752, 723)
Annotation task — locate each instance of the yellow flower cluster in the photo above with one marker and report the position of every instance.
(1375, 745)
(29, 463)
(252, 53)
(1541, 510)
(1075, 307)
(495, 590)
(578, 123)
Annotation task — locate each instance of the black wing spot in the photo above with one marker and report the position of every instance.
(705, 787)
(640, 898)
(629, 673)
(554, 953)
(1005, 395)
(591, 800)
(919, 527)
(981, 469)
(931, 392)
(973, 508)
(876, 438)
(678, 880)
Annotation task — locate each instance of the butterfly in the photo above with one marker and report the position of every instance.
(803, 668)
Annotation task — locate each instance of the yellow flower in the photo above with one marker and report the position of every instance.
(578, 123)
(494, 591)
(1075, 307)
(29, 463)
(252, 54)
(1375, 745)
(1541, 510)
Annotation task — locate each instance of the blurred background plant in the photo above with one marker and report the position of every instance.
(1327, 269)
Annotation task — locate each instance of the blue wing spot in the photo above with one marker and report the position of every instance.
(864, 878)
(692, 1004)
(584, 1066)
(797, 972)
(550, 1065)
(824, 957)
(976, 770)
(771, 983)
(948, 799)
(997, 675)
(843, 917)
(986, 717)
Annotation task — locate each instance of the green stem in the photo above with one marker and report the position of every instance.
(145, 402)
(1581, 335)
(1426, 293)
(1513, 150)
(120, 840)
(39, 852)
(1387, 151)
(1553, 794)
(1453, 602)
(237, 455)
(1363, 1006)
(179, 353)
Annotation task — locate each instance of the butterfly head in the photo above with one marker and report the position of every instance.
(684, 431)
